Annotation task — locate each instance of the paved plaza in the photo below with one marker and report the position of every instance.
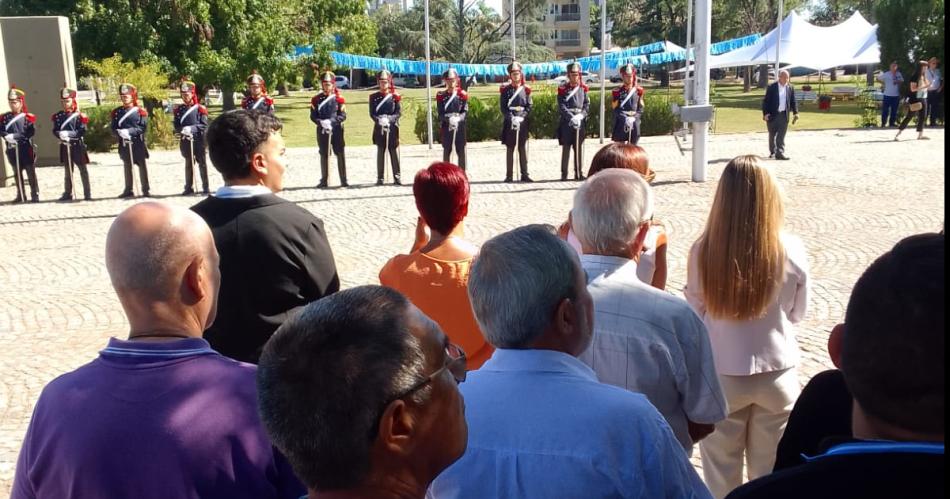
(851, 195)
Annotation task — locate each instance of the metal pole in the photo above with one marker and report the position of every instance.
(603, 66)
(689, 42)
(701, 95)
(778, 39)
(511, 20)
(428, 79)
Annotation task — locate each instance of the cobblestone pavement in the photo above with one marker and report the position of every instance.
(851, 195)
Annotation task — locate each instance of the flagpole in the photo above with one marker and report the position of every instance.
(514, 40)
(603, 65)
(428, 78)
(778, 40)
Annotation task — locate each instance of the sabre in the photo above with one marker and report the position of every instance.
(518, 150)
(135, 180)
(577, 152)
(194, 165)
(17, 176)
(454, 148)
(69, 170)
(386, 153)
(329, 151)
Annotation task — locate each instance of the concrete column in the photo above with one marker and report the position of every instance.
(39, 59)
(6, 171)
(701, 94)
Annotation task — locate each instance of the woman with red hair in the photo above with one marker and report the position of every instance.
(434, 275)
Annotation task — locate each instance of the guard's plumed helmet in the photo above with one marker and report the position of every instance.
(628, 69)
(514, 66)
(574, 67)
(450, 74)
(328, 76)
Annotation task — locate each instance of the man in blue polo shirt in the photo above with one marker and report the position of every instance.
(892, 357)
(161, 414)
(540, 425)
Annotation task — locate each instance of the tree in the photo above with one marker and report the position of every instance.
(914, 32)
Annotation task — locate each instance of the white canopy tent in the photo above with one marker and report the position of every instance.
(803, 44)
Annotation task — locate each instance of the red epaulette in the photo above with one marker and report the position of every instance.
(53, 117)
(502, 88)
(616, 92)
(340, 99)
(31, 117)
(143, 112)
(396, 97)
(562, 90)
(463, 95)
(640, 91)
(202, 109)
(313, 101)
(114, 112)
(527, 90)
(585, 87)
(439, 96)
(268, 101)
(83, 118)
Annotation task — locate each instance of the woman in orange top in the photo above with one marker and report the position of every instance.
(434, 275)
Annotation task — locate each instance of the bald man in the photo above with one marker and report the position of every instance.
(159, 414)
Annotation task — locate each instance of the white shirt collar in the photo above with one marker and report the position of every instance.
(241, 191)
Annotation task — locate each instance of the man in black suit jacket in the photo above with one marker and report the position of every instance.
(275, 257)
(779, 100)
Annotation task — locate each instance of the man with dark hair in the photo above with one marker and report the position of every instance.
(892, 357)
(359, 391)
(160, 414)
(540, 424)
(275, 257)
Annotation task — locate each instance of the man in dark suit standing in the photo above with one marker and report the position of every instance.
(275, 257)
(778, 102)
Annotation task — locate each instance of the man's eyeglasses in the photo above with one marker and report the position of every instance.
(456, 365)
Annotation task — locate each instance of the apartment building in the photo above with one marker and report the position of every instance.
(567, 26)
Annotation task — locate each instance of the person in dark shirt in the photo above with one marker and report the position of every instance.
(275, 257)
(892, 358)
(823, 410)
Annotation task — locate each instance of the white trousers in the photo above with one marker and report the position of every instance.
(759, 405)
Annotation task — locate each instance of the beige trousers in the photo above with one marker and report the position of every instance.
(759, 405)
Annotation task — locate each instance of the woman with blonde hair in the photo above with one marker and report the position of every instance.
(748, 280)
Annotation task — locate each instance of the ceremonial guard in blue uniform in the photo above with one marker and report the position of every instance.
(515, 102)
(627, 103)
(573, 106)
(452, 104)
(17, 128)
(257, 98)
(129, 122)
(69, 126)
(328, 112)
(384, 109)
(191, 121)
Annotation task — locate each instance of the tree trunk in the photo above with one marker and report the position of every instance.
(833, 74)
(870, 75)
(227, 98)
(747, 78)
(664, 77)
(283, 89)
(763, 76)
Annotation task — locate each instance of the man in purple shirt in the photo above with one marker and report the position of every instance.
(161, 414)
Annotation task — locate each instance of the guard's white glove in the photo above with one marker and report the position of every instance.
(63, 135)
(9, 138)
(327, 125)
(630, 121)
(383, 121)
(576, 120)
(124, 133)
(454, 121)
(187, 131)
(517, 119)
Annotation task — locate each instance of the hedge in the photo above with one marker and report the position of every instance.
(160, 134)
(484, 118)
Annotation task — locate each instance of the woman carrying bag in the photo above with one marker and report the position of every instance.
(917, 101)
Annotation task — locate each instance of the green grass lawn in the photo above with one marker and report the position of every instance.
(736, 111)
